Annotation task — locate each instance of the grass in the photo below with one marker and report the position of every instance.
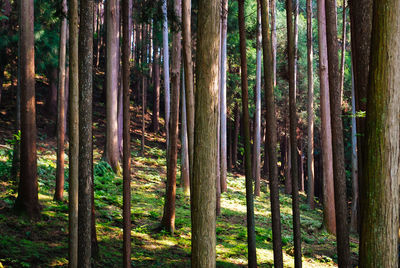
(26, 243)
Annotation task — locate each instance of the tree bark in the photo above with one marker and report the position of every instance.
(203, 190)
(343, 58)
(168, 220)
(273, 37)
(236, 135)
(112, 69)
(73, 134)
(310, 107)
(59, 191)
(354, 161)
(126, 161)
(184, 144)
(27, 200)
(326, 131)
(251, 236)
(85, 133)
(293, 126)
(380, 189)
(188, 79)
(166, 70)
(339, 173)
(271, 138)
(156, 93)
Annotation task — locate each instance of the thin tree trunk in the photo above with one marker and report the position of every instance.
(291, 30)
(236, 134)
(126, 161)
(326, 132)
(73, 135)
(273, 37)
(184, 144)
(271, 138)
(59, 191)
(166, 70)
(188, 78)
(257, 129)
(203, 190)
(168, 220)
(251, 236)
(380, 189)
(85, 133)
(156, 93)
(112, 150)
(343, 59)
(144, 86)
(296, 42)
(27, 200)
(223, 147)
(339, 172)
(310, 107)
(354, 161)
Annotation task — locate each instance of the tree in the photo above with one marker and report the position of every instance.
(273, 37)
(326, 132)
(85, 133)
(251, 236)
(380, 189)
(27, 200)
(223, 149)
(58, 195)
(203, 189)
(73, 134)
(343, 58)
(185, 181)
(168, 220)
(111, 151)
(310, 107)
(292, 132)
(188, 77)
(339, 172)
(126, 161)
(166, 69)
(156, 94)
(271, 138)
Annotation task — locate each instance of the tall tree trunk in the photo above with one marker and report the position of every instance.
(59, 191)
(203, 190)
(126, 161)
(236, 134)
(27, 200)
(188, 79)
(257, 129)
(85, 133)
(310, 107)
(271, 138)
(184, 144)
(156, 93)
(293, 126)
(223, 147)
(166, 70)
(112, 69)
(343, 59)
(296, 42)
(168, 220)
(251, 236)
(339, 172)
(273, 37)
(326, 131)
(144, 85)
(354, 161)
(380, 189)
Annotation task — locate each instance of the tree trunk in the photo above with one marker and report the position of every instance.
(223, 151)
(166, 70)
(339, 173)
(236, 135)
(293, 126)
(156, 93)
(27, 200)
(111, 151)
(126, 161)
(144, 85)
(73, 135)
(271, 138)
(273, 37)
(251, 236)
(188, 79)
(380, 189)
(326, 132)
(59, 191)
(343, 59)
(85, 133)
(354, 162)
(310, 107)
(203, 190)
(257, 129)
(184, 144)
(168, 220)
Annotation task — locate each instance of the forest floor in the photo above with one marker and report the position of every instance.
(44, 243)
